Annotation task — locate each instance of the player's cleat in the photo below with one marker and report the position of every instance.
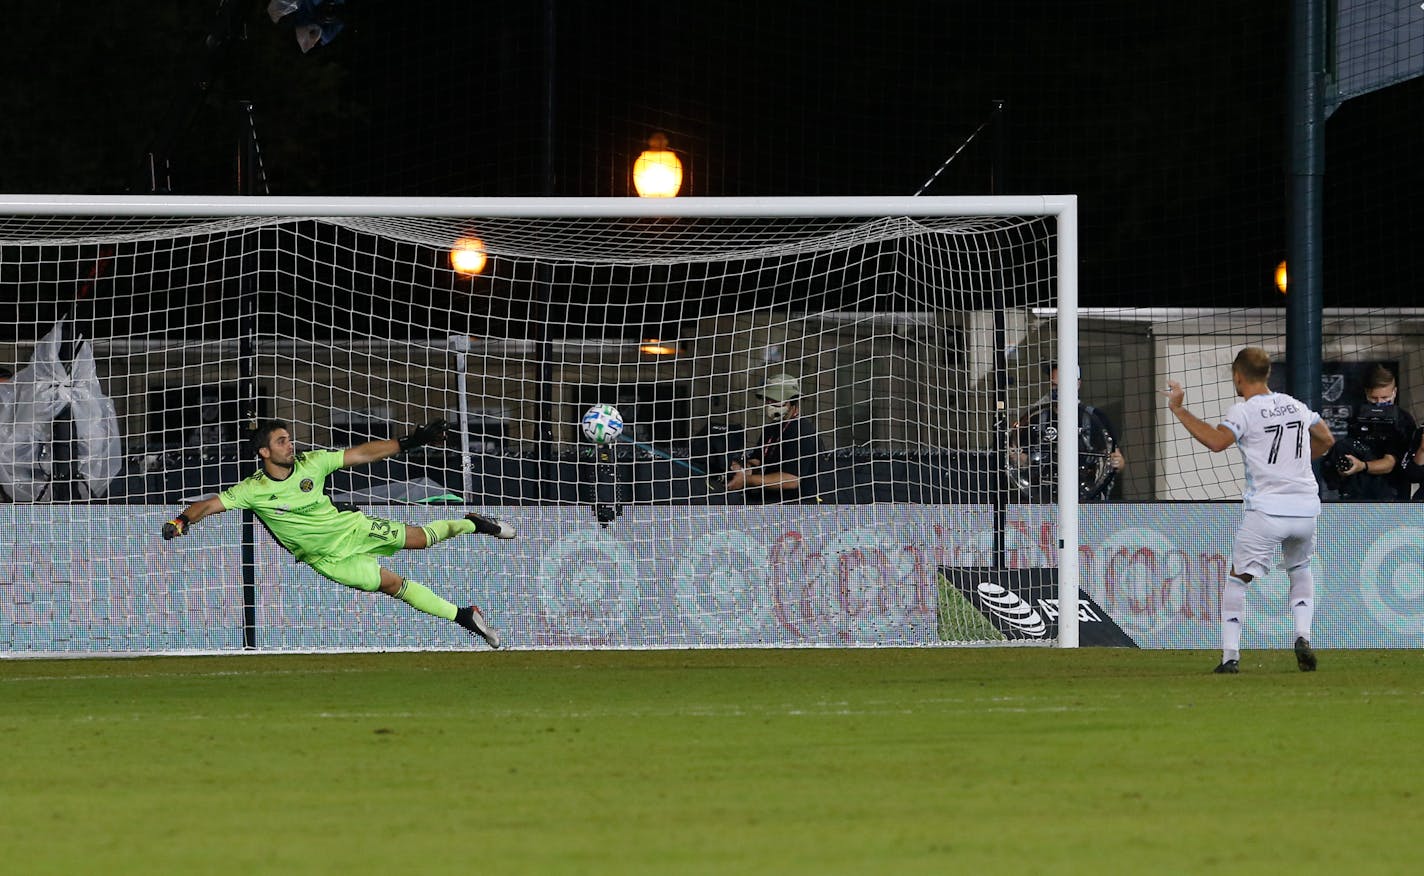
(1228, 667)
(1304, 654)
(490, 526)
(472, 619)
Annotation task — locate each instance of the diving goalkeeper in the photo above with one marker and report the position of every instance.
(288, 495)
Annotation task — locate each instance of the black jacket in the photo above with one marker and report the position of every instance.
(789, 447)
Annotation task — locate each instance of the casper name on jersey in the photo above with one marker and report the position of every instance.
(1273, 434)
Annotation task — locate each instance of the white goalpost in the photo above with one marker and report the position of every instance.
(149, 335)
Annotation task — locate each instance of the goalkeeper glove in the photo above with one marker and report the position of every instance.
(432, 432)
(176, 527)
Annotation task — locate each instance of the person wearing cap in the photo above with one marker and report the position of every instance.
(781, 469)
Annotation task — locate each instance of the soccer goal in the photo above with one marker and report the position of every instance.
(906, 341)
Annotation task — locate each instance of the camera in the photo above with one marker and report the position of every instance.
(1374, 417)
(1373, 432)
(1335, 465)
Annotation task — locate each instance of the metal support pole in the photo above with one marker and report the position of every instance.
(1001, 362)
(1305, 200)
(247, 398)
(1068, 567)
(250, 263)
(461, 345)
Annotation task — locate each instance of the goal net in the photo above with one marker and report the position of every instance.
(838, 418)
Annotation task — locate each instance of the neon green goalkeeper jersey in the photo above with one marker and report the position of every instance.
(297, 510)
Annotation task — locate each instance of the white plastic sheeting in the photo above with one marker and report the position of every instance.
(29, 406)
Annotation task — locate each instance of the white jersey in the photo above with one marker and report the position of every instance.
(1273, 433)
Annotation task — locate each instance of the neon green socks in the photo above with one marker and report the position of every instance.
(442, 529)
(417, 595)
(422, 598)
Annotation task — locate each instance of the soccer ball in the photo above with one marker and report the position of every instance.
(602, 424)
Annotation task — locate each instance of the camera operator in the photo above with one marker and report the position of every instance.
(1033, 449)
(1369, 465)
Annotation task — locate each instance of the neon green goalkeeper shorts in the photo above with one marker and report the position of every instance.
(356, 566)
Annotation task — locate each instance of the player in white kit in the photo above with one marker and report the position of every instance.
(1278, 437)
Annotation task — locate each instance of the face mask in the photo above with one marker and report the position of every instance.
(777, 411)
(1380, 405)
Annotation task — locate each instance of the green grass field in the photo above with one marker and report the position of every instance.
(995, 760)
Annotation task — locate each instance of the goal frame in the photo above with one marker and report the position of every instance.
(1062, 208)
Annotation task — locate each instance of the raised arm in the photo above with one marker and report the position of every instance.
(1213, 438)
(433, 432)
(190, 515)
(371, 451)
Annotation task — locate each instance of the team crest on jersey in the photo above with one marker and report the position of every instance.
(307, 485)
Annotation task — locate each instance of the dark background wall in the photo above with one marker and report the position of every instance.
(1166, 119)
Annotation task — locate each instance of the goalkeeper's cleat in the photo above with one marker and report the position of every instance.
(472, 619)
(490, 526)
(1304, 654)
(1228, 667)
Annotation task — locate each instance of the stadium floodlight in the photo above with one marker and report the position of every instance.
(908, 331)
(468, 256)
(657, 172)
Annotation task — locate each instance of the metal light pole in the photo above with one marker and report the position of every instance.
(1306, 199)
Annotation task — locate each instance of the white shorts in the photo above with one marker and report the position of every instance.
(1258, 536)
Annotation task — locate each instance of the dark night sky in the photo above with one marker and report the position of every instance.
(1166, 119)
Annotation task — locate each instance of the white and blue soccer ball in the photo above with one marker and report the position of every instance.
(602, 424)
